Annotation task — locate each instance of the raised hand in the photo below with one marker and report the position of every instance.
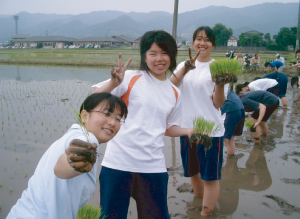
(117, 73)
(190, 63)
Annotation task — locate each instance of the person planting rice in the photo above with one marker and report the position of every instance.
(259, 84)
(202, 97)
(295, 81)
(234, 120)
(65, 177)
(275, 66)
(134, 164)
(282, 80)
(263, 104)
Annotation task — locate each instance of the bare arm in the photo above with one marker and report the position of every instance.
(295, 65)
(262, 111)
(70, 164)
(188, 65)
(117, 76)
(176, 131)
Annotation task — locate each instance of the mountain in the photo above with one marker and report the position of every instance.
(265, 18)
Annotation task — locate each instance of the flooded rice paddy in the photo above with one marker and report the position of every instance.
(260, 181)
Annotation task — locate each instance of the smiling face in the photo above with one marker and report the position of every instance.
(158, 61)
(203, 44)
(102, 124)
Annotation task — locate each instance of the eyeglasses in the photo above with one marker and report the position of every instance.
(117, 118)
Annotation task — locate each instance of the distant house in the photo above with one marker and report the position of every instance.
(44, 41)
(99, 41)
(127, 40)
(61, 41)
(233, 41)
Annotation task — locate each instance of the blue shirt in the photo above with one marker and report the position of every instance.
(232, 103)
(252, 99)
(276, 64)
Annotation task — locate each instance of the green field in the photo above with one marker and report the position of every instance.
(99, 57)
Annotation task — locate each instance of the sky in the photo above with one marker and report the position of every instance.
(11, 7)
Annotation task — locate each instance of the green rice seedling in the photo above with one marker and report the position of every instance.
(203, 130)
(82, 124)
(249, 124)
(25, 131)
(16, 158)
(25, 174)
(0, 184)
(10, 189)
(222, 68)
(89, 212)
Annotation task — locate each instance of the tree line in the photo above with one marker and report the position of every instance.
(285, 37)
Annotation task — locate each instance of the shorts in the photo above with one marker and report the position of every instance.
(274, 90)
(234, 123)
(269, 110)
(148, 189)
(282, 85)
(196, 160)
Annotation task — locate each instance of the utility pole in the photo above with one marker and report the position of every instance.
(298, 29)
(16, 18)
(175, 16)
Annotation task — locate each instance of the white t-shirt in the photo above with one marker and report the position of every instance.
(197, 90)
(49, 197)
(262, 84)
(153, 107)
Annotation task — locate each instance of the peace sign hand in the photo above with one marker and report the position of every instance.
(117, 73)
(190, 63)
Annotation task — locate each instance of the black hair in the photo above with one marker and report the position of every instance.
(246, 84)
(164, 40)
(294, 80)
(255, 54)
(112, 102)
(239, 88)
(256, 78)
(297, 51)
(209, 33)
(267, 64)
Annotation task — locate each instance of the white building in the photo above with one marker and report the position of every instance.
(232, 41)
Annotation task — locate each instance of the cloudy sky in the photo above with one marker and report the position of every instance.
(11, 7)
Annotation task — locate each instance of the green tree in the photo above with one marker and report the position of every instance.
(242, 40)
(266, 40)
(286, 36)
(222, 34)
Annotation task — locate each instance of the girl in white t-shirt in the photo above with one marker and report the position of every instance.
(61, 185)
(134, 164)
(296, 81)
(202, 97)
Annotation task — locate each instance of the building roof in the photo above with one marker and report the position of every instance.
(20, 36)
(124, 38)
(253, 32)
(97, 39)
(46, 39)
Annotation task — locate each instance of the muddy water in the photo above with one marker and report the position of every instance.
(260, 181)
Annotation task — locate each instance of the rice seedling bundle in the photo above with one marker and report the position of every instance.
(203, 130)
(249, 124)
(222, 68)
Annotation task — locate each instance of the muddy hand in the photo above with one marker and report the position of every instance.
(78, 163)
(84, 151)
(190, 63)
(117, 73)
